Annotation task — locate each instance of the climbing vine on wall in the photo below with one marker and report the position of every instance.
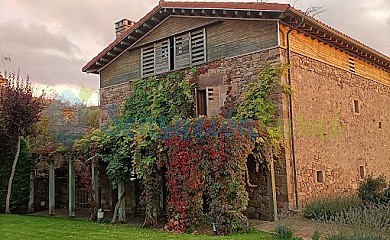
(205, 157)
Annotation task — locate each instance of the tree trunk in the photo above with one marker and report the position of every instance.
(115, 216)
(11, 178)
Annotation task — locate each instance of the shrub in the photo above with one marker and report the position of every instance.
(374, 216)
(316, 235)
(285, 233)
(327, 208)
(374, 190)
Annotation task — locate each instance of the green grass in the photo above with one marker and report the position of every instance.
(32, 227)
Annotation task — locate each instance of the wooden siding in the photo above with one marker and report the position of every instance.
(237, 37)
(226, 39)
(172, 26)
(305, 45)
(123, 69)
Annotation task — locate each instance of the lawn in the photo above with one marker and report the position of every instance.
(34, 227)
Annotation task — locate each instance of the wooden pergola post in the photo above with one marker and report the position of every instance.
(271, 189)
(122, 205)
(32, 192)
(52, 186)
(95, 183)
(71, 189)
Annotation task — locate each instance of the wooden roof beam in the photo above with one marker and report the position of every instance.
(216, 13)
(155, 19)
(146, 25)
(91, 70)
(139, 31)
(131, 38)
(111, 54)
(124, 43)
(104, 60)
(117, 49)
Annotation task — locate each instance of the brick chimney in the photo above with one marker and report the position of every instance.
(122, 26)
(2, 80)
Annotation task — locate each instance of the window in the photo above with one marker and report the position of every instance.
(380, 125)
(147, 61)
(182, 51)
(356, 108)
(351, 63)
(320, 176)
(362, 172)
(177, 52)
(198, 47)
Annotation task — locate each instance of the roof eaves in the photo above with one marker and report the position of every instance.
(186, 5)
(339, 34)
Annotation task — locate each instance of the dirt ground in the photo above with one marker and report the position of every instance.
(301, 226)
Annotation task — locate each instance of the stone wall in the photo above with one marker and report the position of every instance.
(111, 99)
(331, 139)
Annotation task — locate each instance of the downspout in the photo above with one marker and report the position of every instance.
(291, 114)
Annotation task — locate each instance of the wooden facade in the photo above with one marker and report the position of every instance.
(224, 38)
(316, 49)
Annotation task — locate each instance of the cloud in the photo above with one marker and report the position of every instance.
(48, 58)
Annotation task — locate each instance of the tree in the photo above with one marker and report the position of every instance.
(19, 111)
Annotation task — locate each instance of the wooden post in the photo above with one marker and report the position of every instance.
(52, 188)
(122, 205)
(95, 184)
(32, 191)
(271, 188)
(71, 189)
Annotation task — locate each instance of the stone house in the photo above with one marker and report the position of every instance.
(336, 124)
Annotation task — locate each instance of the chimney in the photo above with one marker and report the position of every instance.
(122, 26)
(3, 81)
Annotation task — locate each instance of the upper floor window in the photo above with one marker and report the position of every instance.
(177, 52)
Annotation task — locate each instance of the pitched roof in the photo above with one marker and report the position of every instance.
(284, 12)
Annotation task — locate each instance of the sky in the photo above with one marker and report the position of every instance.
(52, 40)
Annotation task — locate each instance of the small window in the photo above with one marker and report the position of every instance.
(380, 125)
(320, 176)
(356, 108)
(362, 172)
(352, 65)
